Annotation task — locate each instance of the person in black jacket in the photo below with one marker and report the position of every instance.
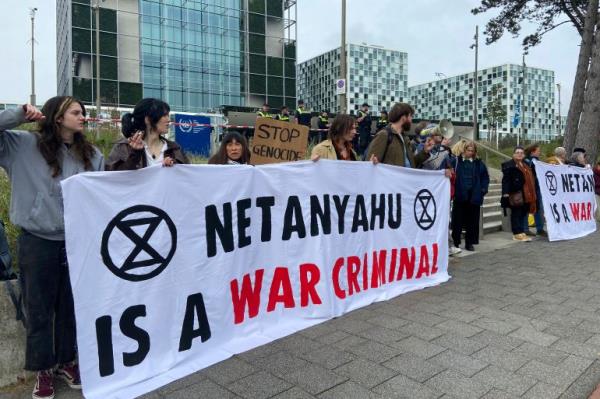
(514, 185)
(471, 185)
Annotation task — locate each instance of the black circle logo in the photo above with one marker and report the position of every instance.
(129, 223)
(425, 209)
(551, 182)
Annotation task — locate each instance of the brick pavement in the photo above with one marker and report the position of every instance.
(518, 322)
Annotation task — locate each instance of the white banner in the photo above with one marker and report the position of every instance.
(175, 269)
(568, 199)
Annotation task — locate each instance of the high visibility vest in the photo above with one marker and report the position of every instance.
(283, 118)
(324, 119)
(264, 114)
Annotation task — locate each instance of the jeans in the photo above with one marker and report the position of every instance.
(517, 215)
(48, 301)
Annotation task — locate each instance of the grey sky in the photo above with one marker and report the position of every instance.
(436, 34)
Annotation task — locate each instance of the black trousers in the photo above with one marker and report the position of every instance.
(465, 214)
(48, 301)
(517, 215)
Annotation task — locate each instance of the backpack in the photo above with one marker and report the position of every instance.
(390, 137)
(8, 275)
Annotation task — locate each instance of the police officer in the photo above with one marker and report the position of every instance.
(265, 112)
(303, 118)
(383, 120)
(323, 125)
(364, 128)
(284, 114)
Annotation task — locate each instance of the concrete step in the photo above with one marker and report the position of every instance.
(492, 199)
(491, 227)
(492, 216)
(494, 191)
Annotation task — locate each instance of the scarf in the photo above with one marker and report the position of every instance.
(528, 187)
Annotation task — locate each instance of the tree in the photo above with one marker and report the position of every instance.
(548, 15)
(496, 112)
(581, 76)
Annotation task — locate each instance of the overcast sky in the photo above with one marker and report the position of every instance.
(436, 34)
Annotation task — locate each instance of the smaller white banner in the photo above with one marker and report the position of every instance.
(568, 199)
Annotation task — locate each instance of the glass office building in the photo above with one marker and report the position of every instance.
(375, 76)
(452, 98)
(195, 55)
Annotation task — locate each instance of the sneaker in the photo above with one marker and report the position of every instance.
(521, 237)
(70, 373)
(529, 233)
(454, 250)
(44, 385)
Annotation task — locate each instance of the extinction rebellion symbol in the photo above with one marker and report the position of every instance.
(551, 182)
(132, 247)
(425, 209)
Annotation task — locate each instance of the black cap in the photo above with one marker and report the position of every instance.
(365, 105)
(579, 149)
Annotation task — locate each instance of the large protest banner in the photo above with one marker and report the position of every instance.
(276, 141)
(175, 269)
(568, 199)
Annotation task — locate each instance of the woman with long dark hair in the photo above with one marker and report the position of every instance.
(233, 151)
(144, 143)
(339, 142)
(36, 163)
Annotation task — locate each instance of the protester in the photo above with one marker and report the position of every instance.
(390, 145)
(233, 151)
(518, 192)
(471, 185)
(532, 153)
(436, 155)
(577, 159)
(559, 157)
(585, 162)
(144, 143)
(597, 189)
(339, 142)
(36, 163)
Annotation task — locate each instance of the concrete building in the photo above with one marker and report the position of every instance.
(452, 98)
(375, 75)
(195, 55)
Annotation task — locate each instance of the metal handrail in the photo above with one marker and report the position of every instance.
(480, 144)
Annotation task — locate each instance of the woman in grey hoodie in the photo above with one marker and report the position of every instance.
(36, 162)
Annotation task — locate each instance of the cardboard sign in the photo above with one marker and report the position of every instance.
(276, 141)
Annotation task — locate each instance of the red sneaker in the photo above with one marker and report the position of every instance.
(44, 385)
(70, 373)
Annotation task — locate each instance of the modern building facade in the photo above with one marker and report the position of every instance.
(452, 98)
(375, 76)
(194, 54)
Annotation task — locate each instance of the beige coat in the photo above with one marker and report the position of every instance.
(325, 150)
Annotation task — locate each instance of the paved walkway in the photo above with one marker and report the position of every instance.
(522, 321)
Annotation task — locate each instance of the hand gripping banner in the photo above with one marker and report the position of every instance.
(175, 269)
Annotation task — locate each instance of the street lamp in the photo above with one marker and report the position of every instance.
(475, 46)
(32, 99)
(97, 12)
(343, 98)
(559, 120)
